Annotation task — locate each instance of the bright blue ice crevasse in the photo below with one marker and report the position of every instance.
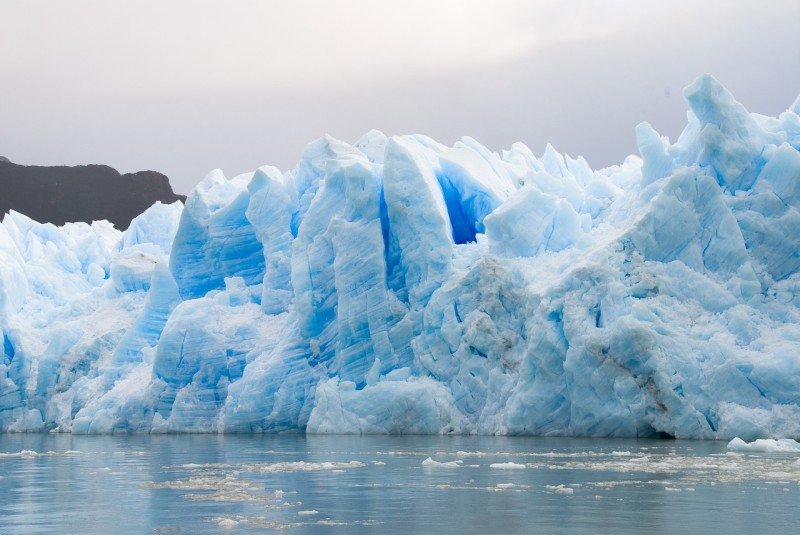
(214, 239)
(400, 286)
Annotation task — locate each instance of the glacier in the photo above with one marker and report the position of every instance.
(397, 285)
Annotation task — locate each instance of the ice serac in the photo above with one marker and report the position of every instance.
(157, 225)
(532, 222)
(396, 285)
(272, 203)
(420, 232)
(146, 332)
(472, 189)
(215, 239)
(730, 141)
(339, 271)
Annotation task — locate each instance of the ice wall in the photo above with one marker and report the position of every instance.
(400, 286)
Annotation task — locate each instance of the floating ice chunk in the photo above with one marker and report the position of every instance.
(430, 463)
(305, 466)
(765, 445)
(560, 489)
(507, 466)
(21, 454)
(227, 523)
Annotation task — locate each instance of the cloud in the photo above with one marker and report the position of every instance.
(113, 47)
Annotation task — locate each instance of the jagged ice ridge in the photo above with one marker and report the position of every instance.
(400, 286)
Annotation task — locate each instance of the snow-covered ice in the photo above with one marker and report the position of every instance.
(396, 285)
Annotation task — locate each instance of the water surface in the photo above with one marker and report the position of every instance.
(389, 484)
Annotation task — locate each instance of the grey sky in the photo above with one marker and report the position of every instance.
(183, 87)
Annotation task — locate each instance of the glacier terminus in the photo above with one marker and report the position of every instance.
(397, 285)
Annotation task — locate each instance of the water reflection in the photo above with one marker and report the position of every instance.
(347, 484)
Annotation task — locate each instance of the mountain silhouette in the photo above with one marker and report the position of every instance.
(61, 194)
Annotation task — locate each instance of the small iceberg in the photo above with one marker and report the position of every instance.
(765, 445)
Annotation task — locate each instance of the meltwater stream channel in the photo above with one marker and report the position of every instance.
(389, 484)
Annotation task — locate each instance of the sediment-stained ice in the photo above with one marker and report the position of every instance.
(400, 286)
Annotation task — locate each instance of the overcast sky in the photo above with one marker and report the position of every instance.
(183, 87)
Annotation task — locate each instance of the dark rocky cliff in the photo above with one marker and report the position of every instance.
(87, 193)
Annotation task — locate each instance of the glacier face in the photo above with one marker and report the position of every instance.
(401, 286)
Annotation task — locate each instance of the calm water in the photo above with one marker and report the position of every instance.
(351, 484)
